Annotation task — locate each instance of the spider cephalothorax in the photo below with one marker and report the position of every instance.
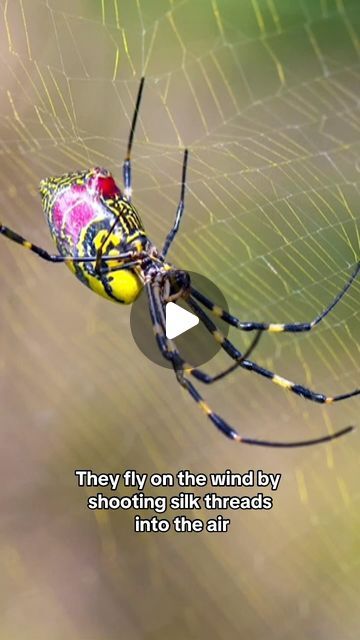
(174, 284)
(100, 236)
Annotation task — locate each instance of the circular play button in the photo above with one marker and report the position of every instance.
(178, 320)
(193, 340)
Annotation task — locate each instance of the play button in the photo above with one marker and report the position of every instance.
(178, 320)
(181, 325)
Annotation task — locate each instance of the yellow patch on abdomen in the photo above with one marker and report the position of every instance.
(71, 266)
(125, 285)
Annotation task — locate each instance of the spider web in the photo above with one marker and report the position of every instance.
(265, 95)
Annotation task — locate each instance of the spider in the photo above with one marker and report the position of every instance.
(101, 238)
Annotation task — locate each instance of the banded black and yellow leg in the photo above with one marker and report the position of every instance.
(206, 378)
(127, 161)
(249, 365)
(273, 327)
(180, 210)
(127, 256)
(170, 353)
(230, 432)
(189, 368)
(15, 237)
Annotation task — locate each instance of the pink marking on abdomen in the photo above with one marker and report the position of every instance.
(73, 210)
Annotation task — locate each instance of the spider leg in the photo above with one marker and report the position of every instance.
(15, 237)
(99, 253)
(294, 327)
(126, 175)
(127, 265)
(199, 374)
(49, 257)
(180, 210)
(170, 353)
(206, 378)
(249, 365)
(127, 161)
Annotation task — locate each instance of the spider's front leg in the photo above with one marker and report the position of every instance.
(250, 365)
(171, 354)
(274, 327)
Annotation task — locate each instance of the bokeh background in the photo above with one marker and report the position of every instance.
(266, 96)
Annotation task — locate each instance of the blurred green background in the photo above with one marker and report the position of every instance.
(265, 94)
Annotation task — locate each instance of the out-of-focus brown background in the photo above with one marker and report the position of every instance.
(266, 96)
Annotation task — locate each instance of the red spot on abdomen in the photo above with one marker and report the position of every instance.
(107, 186)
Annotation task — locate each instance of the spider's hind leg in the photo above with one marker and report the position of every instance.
(15, 237)
(130, 257)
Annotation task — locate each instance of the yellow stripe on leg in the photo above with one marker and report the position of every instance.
(217, 311)
(204, 407)
(276, 328)
(282, 382)
(218, 336)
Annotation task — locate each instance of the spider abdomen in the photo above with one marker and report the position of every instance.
(86, 212)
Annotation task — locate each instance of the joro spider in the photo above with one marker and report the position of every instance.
(101, 238)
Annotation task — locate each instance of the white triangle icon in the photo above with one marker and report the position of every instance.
(177, 320)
